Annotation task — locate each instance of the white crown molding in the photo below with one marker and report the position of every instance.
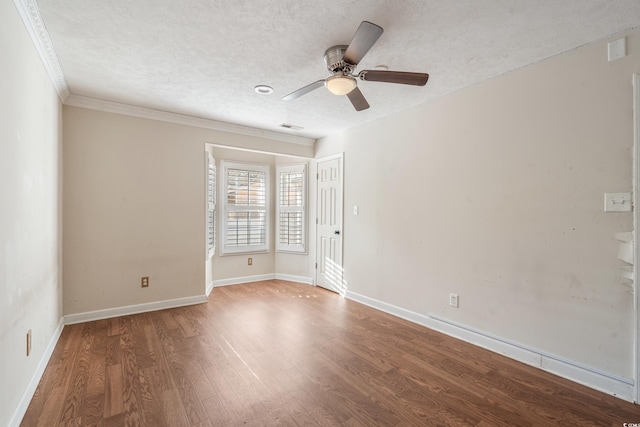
(30, 14)
(182, 119)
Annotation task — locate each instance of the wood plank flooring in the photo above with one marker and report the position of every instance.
(281, 353)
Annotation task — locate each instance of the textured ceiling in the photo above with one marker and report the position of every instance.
(203, 58)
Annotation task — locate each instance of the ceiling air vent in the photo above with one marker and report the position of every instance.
(292, 127)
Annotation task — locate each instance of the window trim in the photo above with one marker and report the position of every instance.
(284, 247)
(210, 201)
(225, 165)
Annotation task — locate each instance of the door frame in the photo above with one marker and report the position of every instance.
(339, 156)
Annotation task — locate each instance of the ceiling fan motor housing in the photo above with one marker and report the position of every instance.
(333, 57)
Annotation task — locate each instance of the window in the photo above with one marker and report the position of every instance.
(292, 194)
(246, 216)
(211, 205)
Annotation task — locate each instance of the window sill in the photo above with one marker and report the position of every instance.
(293, 252)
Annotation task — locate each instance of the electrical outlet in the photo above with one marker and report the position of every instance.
(453, 300)
(144, 282)
(250, 261)
(28, 342)
(617, 202)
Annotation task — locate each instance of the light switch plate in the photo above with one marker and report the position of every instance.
(454, 300)
(617, 202)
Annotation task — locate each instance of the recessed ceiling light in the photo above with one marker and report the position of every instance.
(263, 89)
(381, 67)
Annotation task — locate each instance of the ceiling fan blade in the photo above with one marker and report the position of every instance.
(401, 77)
(303, 90)
(365, 37)
(357, 99)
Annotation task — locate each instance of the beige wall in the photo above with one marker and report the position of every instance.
(496, 193)
(30, 210)
(135, 206)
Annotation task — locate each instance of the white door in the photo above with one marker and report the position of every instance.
(329, 225)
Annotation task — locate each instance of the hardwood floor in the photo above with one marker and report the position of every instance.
(281, 353)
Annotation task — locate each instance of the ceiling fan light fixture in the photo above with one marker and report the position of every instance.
(340, 84)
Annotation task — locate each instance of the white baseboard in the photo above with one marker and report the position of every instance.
(246, 279)
(260, 278)
(591, 377)
(179, 302)
(292, 278)
(89, 316)
(16, 419)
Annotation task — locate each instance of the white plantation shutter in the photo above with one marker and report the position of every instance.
(292, 193)
(246, 215)
(211, 205)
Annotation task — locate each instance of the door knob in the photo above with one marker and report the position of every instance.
(336, 232)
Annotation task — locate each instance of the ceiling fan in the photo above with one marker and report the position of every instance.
(341, 62)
